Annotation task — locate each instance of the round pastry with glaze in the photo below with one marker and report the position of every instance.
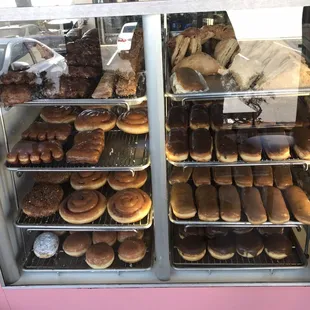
(191, 248)
(99, 256)
(212, 232)
(124, 235)
(82, 207)
(134, 122)
(132, 251)
(222, 247)
(190, 231)
(108, 237)
(125, 179)
(46, 245)
(77, 244)
(51, 177)
(88, 179)
(249, 245)
(242, 230)
(129, 205)
(59, 114)
(278, 246)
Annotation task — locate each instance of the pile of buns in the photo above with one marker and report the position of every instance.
(87, 204)
(99, 247)
(218, 199)
(223, 243)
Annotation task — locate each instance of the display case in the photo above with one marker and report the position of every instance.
(190, 131)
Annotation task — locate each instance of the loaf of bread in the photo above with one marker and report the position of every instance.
(230, 206)
(207, 203)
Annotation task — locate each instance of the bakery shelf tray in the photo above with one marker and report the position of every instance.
(122, 152)
(296, 260)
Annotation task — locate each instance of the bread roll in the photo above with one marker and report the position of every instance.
(99, 256)
(199, 117)
(201, 176)
(225, 146)
(181, 201)
(191, 248)
(263, 175)
(298, 203)
(278, 246)
(109, 237)
(230, 206)
(77, 244)
(253, 206)
(201, 145)
(302, 142)
(243, 176)
(222, 175)
(179, 175)
(249, 145)
(275, 205)
(177, 145)
(282, 176)
(177, 118)
(132, 251)
(207, 203)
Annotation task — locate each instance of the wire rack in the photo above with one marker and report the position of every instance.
(122, 152)
(104, 223)
(295, 260)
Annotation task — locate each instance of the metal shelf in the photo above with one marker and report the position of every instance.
(122, 152)
(296, 260)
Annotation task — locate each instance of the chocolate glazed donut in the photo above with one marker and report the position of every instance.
(134, 122)
(125, 179)
(83, 207)
(129, 205)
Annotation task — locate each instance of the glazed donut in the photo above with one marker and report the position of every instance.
(134, 122)
(88, 179)
(108, 237)
(99, 256)
(46, 245)
(77, 244)
(132, 251)
(124, 179)
(192, 248)
(129, 205)
(82, 207)
(90, 120)
(124, 235)
(62, 114)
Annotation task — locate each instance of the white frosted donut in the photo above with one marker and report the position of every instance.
(46, 245)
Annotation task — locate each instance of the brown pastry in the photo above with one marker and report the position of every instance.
(132, 251)
(77, 244)
(230, 206)
(129, 205)
(133, 234)
(185, 231)
(177, 145)
(177, 118)
(302, 142)
(201, 145)
(38, 131)
(275, 205)
(278, 246)
(249, 245)
(15, 94)
(179, 175)
(243, 176)
(267, 231)
(90, 120)
(105, 86)
(207, 203)
(218, 122)
(134, 122)
(181, 201)
(249, 145)
(253, 206)
(225, 146)
(263, 176)
(62, 114)
(201, 176)
(82, 207)
(87, 148)
(222, 175)
(276, 144)
(225, 50)
(222, 247)
(199, 117)
(26, 152)
(282, 176)
(213, 231)
(108, 237)
(125, 179)
(51, 177)
(126, 87)
(43, 200)
(242, 230)
(298, 203)
(191, 248)
(99, 256)
(88, 179)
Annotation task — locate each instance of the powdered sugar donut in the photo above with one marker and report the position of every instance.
(46, 245)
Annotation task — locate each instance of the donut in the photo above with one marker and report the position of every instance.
(125, 179)
(278, 246)
(46, 245)
(191, 248)
(108, 237)
(222, 247)
(132, 251)
(124, 235)
(77, 244)
(249, 245)
(99, 256)
(88, 179)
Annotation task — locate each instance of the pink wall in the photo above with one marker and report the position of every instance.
(154, 299)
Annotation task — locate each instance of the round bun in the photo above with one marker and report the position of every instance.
(134, 122)
(82, 207)
(132, 251)
(125, 179)
(124, 235)
(129, 205)
(43, 200)
(222, 247)
(278, 246)
(90, 120)
(62, 114)
(99, 256)
(192, 248)
(88, 179)
(77, 244)
(249, 245)
(46, 245)
(108, 237)
(51, 177)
